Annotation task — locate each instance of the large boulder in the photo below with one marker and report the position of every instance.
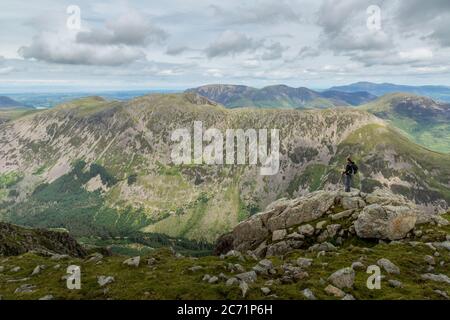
(385, 222)
(304, 209)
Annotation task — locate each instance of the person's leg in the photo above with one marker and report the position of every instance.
(347, 182)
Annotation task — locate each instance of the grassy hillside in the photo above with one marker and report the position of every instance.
(423, 120)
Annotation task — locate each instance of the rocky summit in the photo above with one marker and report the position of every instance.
(321, 220)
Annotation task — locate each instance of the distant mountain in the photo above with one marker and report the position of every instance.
(379, 89)
(8, 103)
(426, 121)
(279, 96)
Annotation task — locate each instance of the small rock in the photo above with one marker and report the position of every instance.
(343, 278)
(309, 294)
(151, 261)
(222, 276)
(326, 246)
(232, 281)
(342, 215)
(195, 268)
(239, 268)
(133, 262)
(306, 230)
(244, 288)
(37, 270)
(206, 277)
(338, 293)
(358, 265)
(25, 288)
(47, 297)
(263, 266)
(58, 257)
(395, 283)
(213, 279)
(56, 266)
(320, 225)
(94, 258)
(348, 297)
(279, 235)
(439, 292)
(304, 262)
(104, 280)
(2, 268)
(436, 277)
(388, 266)
(15, 269)
(233, 253)
(265, 290)
(430, 260)
(247, 276)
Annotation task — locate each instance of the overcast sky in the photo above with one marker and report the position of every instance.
(184, 43)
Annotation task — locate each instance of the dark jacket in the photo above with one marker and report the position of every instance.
(349, 169)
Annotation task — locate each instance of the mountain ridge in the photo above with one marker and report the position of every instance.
(279, 96)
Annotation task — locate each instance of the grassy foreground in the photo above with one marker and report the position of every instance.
(170, 277)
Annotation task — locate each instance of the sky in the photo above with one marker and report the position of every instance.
(177, 44)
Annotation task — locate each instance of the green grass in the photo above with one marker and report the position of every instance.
(171, 279)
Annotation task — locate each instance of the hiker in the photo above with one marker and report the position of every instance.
(350, 169)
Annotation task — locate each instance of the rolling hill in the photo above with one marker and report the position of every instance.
(424, 120)
(378, 89)
(103, 168)
(279, 96)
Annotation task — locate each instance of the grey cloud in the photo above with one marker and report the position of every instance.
(344, 29)
(259, 12)
(419, 12)
(119, 42)
(231, 43)
(52, 48)
(307, 52)
(129, 29)
(273, 51)
(176, 50)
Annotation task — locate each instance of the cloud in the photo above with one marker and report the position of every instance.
(344, 28)
(412, 57)
(232, 43)
(119, 42)
(307, 52)
(6, 70)
(259, 13)
(273, 51)
(176, 50)
(130, 29)
(62, 48)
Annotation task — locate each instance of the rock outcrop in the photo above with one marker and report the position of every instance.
(15, 240)
(289, 224)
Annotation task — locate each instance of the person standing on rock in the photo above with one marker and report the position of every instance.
(350, 169)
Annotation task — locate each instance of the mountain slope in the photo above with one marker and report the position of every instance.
(8, 103)
(104, 168)
(379, 89)
(424, 120)
(279, 96)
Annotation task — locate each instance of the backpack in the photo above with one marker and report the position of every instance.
(354, 168)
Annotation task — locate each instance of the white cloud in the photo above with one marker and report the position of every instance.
(416, 54)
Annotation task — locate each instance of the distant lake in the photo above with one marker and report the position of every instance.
(48, 100)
